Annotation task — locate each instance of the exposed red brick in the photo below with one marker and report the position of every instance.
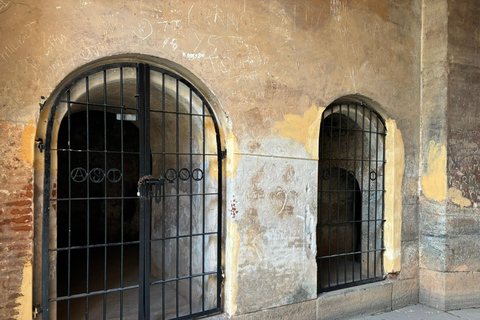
(22, 219)
(22, 228)
(21, 211)
(19, 203)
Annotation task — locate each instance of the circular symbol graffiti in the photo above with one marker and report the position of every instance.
(171, 175)
(79, 174)
(373, 175)
(184, 174)
(97, 175)
(114, 175)
(197, 174)
(326, 174)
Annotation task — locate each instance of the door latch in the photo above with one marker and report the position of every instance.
(149, 181)
(38, 309)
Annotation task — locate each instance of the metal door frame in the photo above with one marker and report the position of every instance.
(143, 102)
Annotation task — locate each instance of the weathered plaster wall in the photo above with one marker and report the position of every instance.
(463, 134)
(450, 223)
(272, 67)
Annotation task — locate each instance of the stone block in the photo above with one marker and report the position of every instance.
(356, 301)
(432, 289)
(462, 290)
(410, 225)
(404, 293)
(304, 310)
(432, 252)
(462, 253)
(409, 262)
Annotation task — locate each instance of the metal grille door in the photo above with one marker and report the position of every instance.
(132, 202)
(350, 198)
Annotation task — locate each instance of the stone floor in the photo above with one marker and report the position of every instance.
(420, 312)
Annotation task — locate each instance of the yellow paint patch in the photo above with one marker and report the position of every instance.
(394, 170)
(233, 156)
(304, 129)
(434, 181)
(27, 143)
(231, 285)
(25, 300)
(456, 197)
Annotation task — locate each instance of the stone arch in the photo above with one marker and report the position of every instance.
(55, 111)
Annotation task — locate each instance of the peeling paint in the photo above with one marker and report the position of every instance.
(233, 156)
(24, 301)
(27, 142)
(394, 170)
(456, 197)
(434, 181)
(304, 129)
(231, 286)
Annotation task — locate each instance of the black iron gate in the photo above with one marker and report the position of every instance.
(132, 201)
(351, 197)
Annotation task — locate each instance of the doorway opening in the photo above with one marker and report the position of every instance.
(132, 221)
(350, 197)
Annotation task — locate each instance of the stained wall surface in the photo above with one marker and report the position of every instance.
(271, 67)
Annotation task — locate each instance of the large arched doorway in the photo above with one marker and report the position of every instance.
(350, 196)
(132, 202)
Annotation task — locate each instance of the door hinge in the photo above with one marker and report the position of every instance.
(38, 309)
(40, 144)
(224, 154)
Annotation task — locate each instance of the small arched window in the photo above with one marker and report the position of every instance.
(350, 196)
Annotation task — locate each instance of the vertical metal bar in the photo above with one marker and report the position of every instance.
(191, 206)
(122, 193)
(320, 204)
(354, 226)
(219, 216)
(338, 188)
(203, 212)
(347, 190)
(145, 94)
(69, 204)
(369, 196)
(383, 189)
(163, 202)
(105, 191)
(376, 194)
(330, 160)
(361, 188)
(143, 170)
(87, 95)
(46, 215)
(178, 196)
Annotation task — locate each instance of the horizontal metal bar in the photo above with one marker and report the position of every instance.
(102, 245)
(182, 113)
(345, 190)
(349, 254)
(199, 314)
(185, 236)
(98, 105)
(97, 151)
(351, 284)
(129, 198)
(93, 293)
(351, 221)
(184, 278)
(94, 198)
(184, 154)
(353, 160)
(355, 130)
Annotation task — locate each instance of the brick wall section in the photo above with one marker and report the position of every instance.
(16, 196)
